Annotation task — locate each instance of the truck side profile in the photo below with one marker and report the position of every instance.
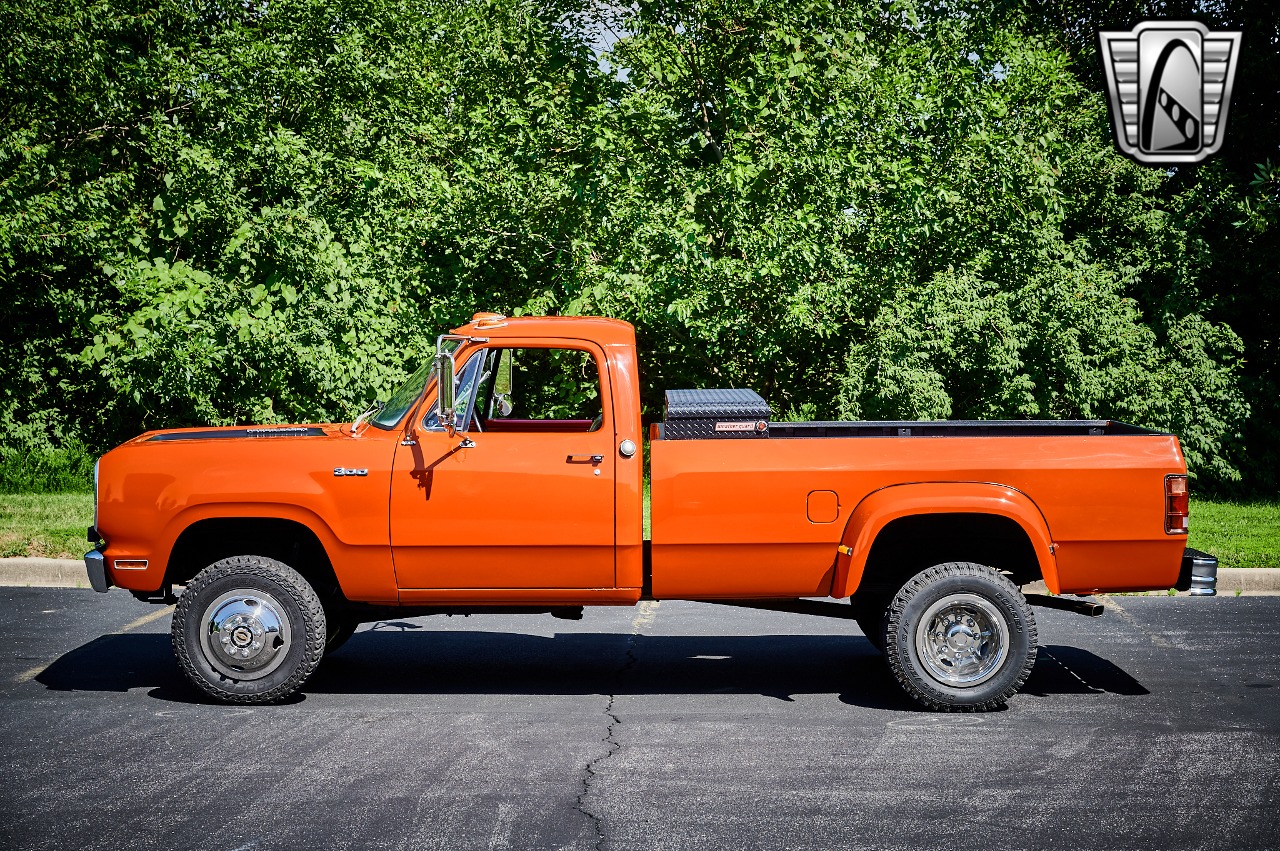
(507, 476)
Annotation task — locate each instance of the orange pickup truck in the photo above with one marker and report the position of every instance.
(507, 476)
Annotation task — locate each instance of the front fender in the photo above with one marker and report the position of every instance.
(880, 508)
(364, 572)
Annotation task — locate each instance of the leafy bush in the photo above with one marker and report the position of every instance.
(65, 470)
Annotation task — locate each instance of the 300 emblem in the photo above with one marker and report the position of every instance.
(349, 471)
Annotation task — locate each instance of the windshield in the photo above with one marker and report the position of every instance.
(409, 392)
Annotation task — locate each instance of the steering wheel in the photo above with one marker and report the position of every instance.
(597, 422)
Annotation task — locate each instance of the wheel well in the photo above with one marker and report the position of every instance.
(207, 541)
(908, 545)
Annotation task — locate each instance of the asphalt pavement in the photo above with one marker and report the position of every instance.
(666, 726)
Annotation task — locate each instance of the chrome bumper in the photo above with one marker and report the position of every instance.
(96, 566)
(1199, 574)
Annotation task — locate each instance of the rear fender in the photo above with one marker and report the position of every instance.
(882, 507)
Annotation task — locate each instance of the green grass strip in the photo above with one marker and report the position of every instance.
(1240, 534)
(50, 525)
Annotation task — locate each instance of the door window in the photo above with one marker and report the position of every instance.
(538, 389)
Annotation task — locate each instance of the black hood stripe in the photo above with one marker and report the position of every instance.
(218, 433)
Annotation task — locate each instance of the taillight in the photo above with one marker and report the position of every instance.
(1176, 505)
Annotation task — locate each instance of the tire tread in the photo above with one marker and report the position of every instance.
(313, 615)
(910, 680)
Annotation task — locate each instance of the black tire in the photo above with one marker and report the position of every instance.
(264, 611)
(987, 651)
(340, 628)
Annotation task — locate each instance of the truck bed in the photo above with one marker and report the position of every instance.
(763, 516)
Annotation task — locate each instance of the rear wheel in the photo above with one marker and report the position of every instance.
(960, 637)
(248, 629)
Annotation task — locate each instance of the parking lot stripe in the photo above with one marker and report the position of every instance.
(31, 673)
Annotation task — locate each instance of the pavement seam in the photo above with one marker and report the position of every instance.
(642, 619)
(1065, 667)
(1156, 639)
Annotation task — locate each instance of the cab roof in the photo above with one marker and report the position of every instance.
(600, 329)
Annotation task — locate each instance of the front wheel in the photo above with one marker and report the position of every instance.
(249, 629)
(960, 637)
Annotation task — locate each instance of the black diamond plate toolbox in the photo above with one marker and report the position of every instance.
(711, 414)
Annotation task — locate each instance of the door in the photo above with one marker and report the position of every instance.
(522, 496)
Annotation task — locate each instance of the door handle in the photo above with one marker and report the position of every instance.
(583, 459)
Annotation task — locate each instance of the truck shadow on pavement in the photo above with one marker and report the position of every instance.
(479, 662)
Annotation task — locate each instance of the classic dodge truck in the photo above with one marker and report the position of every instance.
(507, 476)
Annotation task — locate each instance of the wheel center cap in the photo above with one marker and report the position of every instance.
(960, 637)
(242, 636)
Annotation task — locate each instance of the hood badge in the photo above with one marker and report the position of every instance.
(350, 471)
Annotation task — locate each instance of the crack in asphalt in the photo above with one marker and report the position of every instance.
(589, 771)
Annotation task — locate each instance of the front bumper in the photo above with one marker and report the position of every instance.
(96, 565)
(1199, 574)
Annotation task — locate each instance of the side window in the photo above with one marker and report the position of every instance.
(540, 390)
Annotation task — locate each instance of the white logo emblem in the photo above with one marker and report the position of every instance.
(1170, 85)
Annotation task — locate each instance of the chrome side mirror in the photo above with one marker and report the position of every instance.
(445, 413)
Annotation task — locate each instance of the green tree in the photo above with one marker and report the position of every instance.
(898, 211)
(264, 212)
(1227, 207)
(218, 213)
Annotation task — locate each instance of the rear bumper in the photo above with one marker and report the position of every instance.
(96, 566)
(1199, 574)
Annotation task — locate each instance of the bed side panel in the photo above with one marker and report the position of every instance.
(732, 518)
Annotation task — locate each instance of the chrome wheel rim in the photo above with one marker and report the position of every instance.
(245, 634)
(962, 640)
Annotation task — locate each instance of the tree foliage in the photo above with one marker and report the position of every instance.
(219, 213)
